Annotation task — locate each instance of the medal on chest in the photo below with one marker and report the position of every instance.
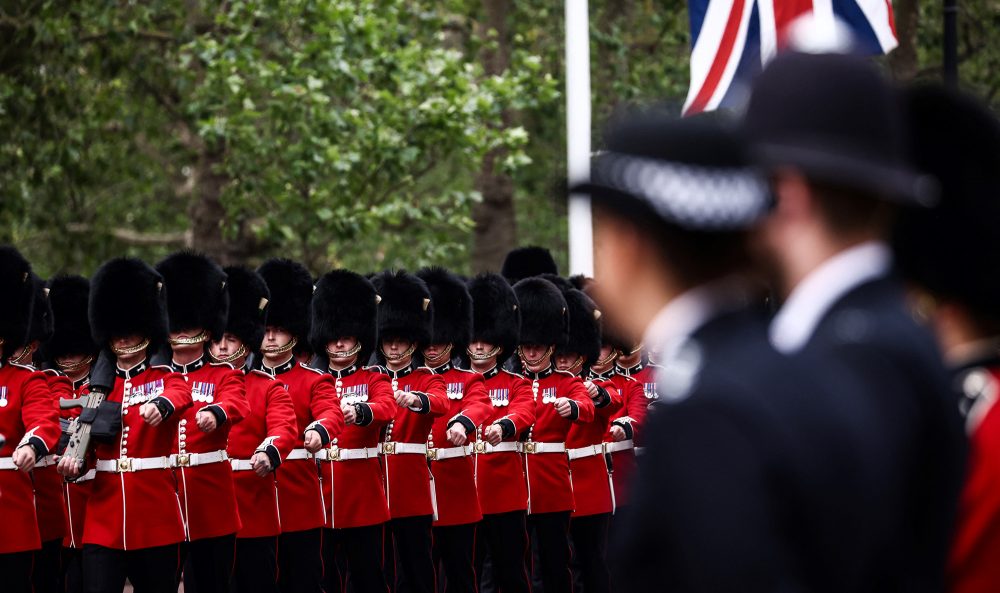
(549, 395)
(455, 390)
(143, 393)
(355, 394)
(650, 390)
(203, 392)
(500, 397)
(3, 396)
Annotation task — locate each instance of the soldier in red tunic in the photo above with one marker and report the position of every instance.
(561, 399)
(133, 526)
(197, 309)
(343, 332)
(404, 324)
(29, 421)
(319, 416)
(451, 458)
(72, 351)
(503, 492)
(258, 443)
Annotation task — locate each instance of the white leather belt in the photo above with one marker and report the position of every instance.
(7, 463)
(533, 448)
(619, 446)
(132, 464)
(299, 454)
(584, 452)
(394, 448)
(86, 477)
(241, 465)
(449, 453)
(193, 459)
(483, 447)
(47, 461)
(335, 453)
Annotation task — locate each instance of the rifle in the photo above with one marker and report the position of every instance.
(98, 418)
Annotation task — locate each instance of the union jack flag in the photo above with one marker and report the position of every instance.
(733, 39)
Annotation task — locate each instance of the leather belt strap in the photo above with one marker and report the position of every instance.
(394, 448)
(132, 464)
(533, 448)
(47, 461)
(584, 452)
(299, 454)
(7, 463)
(449, 453)
(619, 446)
(482, 447)
(335, 453)
(241, 465)
(193, 459)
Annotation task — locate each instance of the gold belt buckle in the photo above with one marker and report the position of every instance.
(183, 460)
(388, 448)
(529, 447)
(333, 453)
(480, 447)
(125, 464)
(432, 454)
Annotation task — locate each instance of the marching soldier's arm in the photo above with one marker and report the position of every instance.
(39, 414)
(176, 396)
(610, 401)
(381, 406)
(574, 390)
(635, 411)
(280, 422)
(231, 404)
(325, 407)
(520, 409)
(476, 405)
(434, 396)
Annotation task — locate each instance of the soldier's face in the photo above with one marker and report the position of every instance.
(568, 362)
(535, 356)
(227, 346)
(436, 352)
(181, 341)
(342, 350)
(395, 346)
(126, 342)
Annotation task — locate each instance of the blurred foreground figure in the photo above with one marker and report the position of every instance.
(828, 131)
(748, 464)
(950, 255)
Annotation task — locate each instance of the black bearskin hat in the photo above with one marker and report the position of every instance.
(345, 304)
(248, 300)
(68, 298)
(41, 313)
(526, 262)
(291, 289)
(196, 293)
(544, 316)
(127, 297)
(496, 316)
(951, 249)
(16, 299)
(406, 310)
(452, 307)
(584, 327)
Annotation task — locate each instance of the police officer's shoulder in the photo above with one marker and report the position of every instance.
(260, 373)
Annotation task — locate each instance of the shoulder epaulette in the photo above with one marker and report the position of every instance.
(566, 373)
(164, 367)
(313, 369)
(375, 368)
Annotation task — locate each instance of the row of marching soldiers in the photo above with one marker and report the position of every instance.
(264, 431)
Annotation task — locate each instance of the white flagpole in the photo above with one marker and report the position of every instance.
(581, 236)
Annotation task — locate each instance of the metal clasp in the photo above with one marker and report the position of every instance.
(480, 447)
(529, 446)
(388, 448)
(432, 454)
(183, 460)
(333, 453)
(125, 464)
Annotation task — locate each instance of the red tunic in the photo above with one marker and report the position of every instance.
(26, 413)
(592, 487)
(973, 565)
(140, 509)
(76, 493)
(550, 487)
(500, 476)
(631, 418)
(317, 407)
(356, 493)
(270, 425)
(454, 478)
(49, 502)
(208, 498)
(407, 479)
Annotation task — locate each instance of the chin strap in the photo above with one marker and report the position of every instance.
(129, 350)
(69, 367)
(281, 349)
(344, 354)
(22, 355)
(199, 339)
(445, 356)
(482, 357)
(394, 358)
(228, 359)
(530, 363)
(611, 357)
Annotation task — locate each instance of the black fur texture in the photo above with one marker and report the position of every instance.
(345, 304)
(16, 299)
(41, 313)
(496, 315)
(452, 307)
(127, 297)
(406, 310)
(584, 328)
(526, 262)
(196, 293)
(68, 297)
(291, 289)
(544, 315)
(247, 312)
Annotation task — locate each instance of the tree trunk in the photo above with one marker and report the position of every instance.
(903, 60)
(496, 226)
